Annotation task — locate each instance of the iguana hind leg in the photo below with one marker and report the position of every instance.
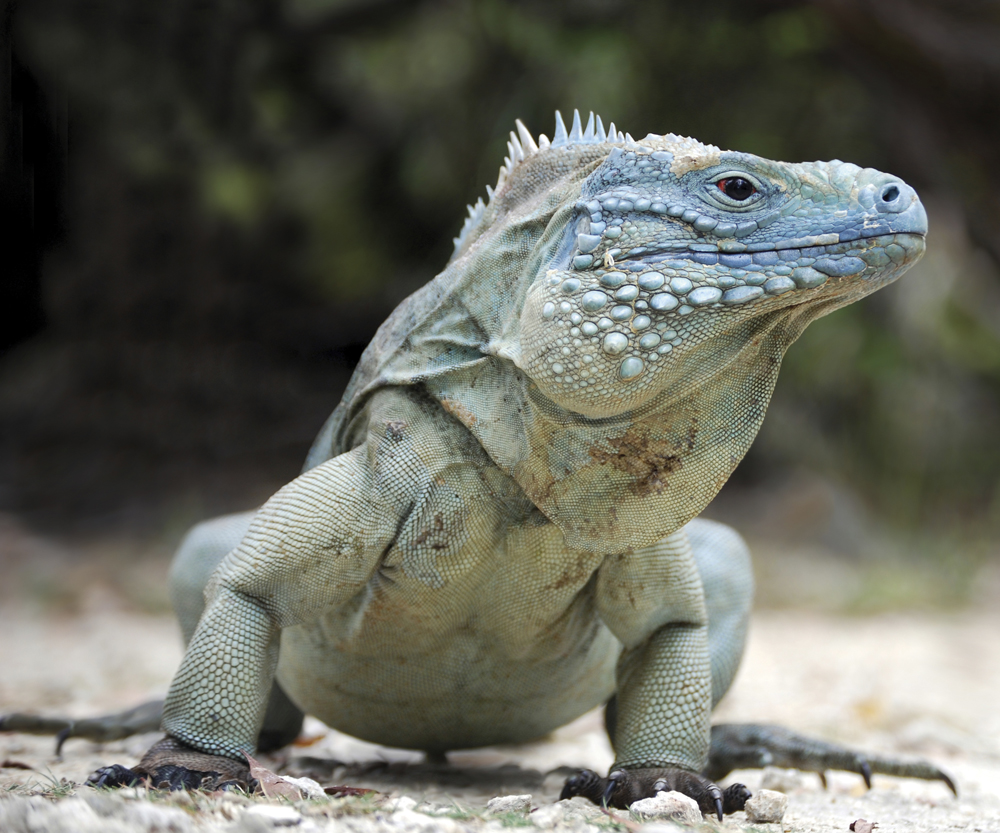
(142, 718)
(756, 745)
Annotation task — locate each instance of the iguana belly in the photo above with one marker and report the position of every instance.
(508, 649)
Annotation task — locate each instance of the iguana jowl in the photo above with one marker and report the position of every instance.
(496, 529)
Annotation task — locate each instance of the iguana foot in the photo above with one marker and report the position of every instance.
(756, 745)
(623, 787)
(173, 765)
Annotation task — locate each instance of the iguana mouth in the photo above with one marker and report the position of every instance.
(683, 280)
(639, 309)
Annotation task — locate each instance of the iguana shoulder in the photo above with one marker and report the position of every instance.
(469, 310)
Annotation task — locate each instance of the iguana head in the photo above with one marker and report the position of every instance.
(674, 254)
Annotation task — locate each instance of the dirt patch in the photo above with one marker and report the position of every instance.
(647, 459)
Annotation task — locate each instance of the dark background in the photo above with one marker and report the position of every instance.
(206, 209)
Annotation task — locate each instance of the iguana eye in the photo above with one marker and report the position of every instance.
(737, 188)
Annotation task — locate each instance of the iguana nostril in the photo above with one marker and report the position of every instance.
(896, 197)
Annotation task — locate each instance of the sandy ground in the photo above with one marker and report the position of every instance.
(915, 684)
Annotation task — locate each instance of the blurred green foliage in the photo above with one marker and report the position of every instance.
(342, 139)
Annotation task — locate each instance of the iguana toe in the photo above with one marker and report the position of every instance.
(586, 783)
(115, 775)
(734, 798)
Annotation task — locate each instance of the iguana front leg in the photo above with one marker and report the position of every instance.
(661, 732)
(652, 601)
(313, 546)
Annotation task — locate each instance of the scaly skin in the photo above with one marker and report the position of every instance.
(494, 532)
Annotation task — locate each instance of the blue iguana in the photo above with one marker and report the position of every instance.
(497, 529)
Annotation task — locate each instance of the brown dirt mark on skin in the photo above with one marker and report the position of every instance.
(648, 460)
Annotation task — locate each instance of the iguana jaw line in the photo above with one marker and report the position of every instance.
(642, 322)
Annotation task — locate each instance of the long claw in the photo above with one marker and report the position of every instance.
(866, 773)
(61, 738)
(715, 794)
(610, 788)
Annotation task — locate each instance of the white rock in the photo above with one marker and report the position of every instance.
(781, 780)
(569, 811)
(400, 802)
(26, 815)
(420, 823)
(179, 798)
(509, 804)
(93, 814)
(275, 814)
(308, 787)
(671, 805)
(229, 811)
(432, 809)
(767, 806)
(672, 827)
(548, 816)
(143, 816)
(579, 808)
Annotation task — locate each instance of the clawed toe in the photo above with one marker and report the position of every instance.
(734, 798)
(586, 783)
(115, 775)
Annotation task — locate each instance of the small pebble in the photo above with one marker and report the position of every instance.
(767, 807)
(672, 805)
(548, 816)
(411, 822)
(402, 802)
(307, 786)
(509, 804)
(569, 811)
(275, 814)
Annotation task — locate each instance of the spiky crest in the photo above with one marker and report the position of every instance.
(522, 145)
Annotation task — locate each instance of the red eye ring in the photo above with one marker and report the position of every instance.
(737, 188)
